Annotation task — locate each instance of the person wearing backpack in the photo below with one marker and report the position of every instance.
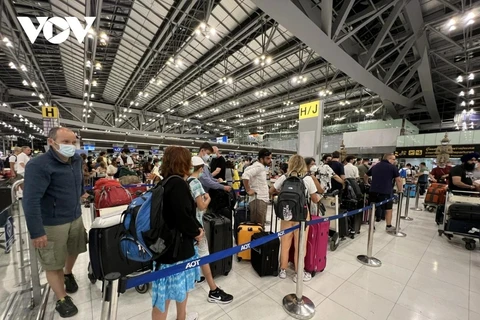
(179, 215)
(202, 200)
(297, 172)
(12, 162)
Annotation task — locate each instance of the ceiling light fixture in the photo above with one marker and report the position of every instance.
(12, 65)
(299, 79)
(461, 94)
(343, 103)
(261, 93)
(262, 60)
(234, 103)
(459, 79)
(471, 92)
(226, 80)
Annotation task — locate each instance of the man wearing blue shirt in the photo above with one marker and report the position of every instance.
(383, 174)
(52, 197)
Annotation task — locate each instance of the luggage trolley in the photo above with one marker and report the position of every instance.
(462, 217)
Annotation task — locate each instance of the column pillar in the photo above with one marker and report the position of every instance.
(310, 127)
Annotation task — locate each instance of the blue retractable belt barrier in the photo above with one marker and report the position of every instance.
(88, 188)
(192, 263)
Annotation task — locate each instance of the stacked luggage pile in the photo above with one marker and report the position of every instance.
(462, 217)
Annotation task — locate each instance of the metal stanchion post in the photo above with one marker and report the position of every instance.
(20, 232)
(368, 259)
(407, 202)
(110, 296)
(417, 198)
(397, 232)
(36, 292)
(296, 304)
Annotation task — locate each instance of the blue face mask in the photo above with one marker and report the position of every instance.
(66, 150)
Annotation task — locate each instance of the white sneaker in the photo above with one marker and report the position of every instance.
(282, 274)
(306, 277)
(192, 316)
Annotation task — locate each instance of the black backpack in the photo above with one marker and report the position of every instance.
(292, 204)
(355, 188)
(6, 163)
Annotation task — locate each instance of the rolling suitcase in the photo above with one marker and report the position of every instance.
(265, 257)
(242, 215)
(218, 230)
(104, 252)
(245, 231)
(436, 193)
(317, 244)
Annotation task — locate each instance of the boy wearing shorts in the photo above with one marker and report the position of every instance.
(202, 199)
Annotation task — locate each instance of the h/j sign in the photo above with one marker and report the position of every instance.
(64, 24)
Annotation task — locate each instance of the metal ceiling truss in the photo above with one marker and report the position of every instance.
(397, 49)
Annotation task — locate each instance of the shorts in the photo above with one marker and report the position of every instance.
(379, 197)
(203, 247)
(258, 211)
(63, 240)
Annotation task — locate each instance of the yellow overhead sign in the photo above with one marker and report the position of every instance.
(309, 110)
(50, 112)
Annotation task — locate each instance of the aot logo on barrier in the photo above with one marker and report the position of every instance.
(245, 246)
(65, 24)
(193, 264)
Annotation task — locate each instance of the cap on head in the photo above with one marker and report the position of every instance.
(197, 161)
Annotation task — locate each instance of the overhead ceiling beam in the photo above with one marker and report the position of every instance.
(341, 17)
(414, 16)
(449, 5)
(444, 37)
(448, 62)
(399, 59)
(73, 123)
(364, 14)
(294, 20)
(409, 76)
(383, 32)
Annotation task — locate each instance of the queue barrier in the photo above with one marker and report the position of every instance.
(137, 185)
(294, 304)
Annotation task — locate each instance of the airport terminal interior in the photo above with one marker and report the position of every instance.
(366, 109)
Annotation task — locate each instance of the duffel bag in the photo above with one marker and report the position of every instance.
(436, 193)
(112, 196)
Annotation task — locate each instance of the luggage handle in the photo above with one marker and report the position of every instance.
(271, 216)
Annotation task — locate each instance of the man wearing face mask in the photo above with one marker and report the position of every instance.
(207, 179)
(460, 177)
(440, 173)
(53, 190)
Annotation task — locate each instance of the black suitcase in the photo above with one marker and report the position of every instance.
(242, 215)
(439, 215)
(5, 195)
(218, 230)
(265, 257)
(464, 211)
(462, 226)
(105, 255)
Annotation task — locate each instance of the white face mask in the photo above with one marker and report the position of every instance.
(313, 168)
(205, 158)
(66, 150)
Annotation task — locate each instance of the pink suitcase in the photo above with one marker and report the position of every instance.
(317, 244)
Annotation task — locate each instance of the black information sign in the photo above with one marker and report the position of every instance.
(430, 151)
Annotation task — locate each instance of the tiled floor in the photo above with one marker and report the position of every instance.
(423, 276)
